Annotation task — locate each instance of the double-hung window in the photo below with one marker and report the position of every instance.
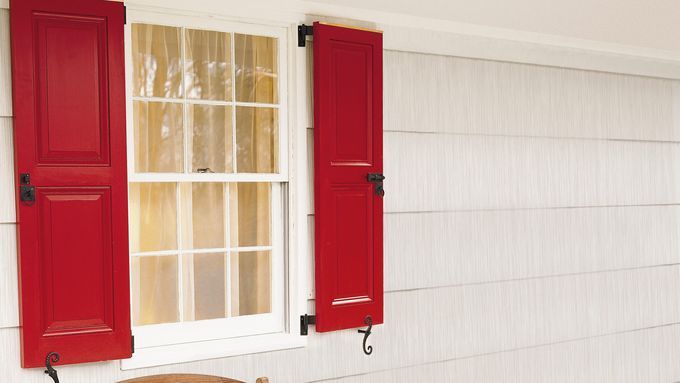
(207, 163)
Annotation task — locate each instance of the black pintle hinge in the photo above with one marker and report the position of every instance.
(124, 14)
(305, 321)
(303, 32)
(133, 343)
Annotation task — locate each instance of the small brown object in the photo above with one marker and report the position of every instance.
(186, 378)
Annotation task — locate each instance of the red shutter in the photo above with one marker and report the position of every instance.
(69, 127)
(348, 208)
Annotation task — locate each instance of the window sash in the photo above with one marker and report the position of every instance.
(153, 335)
(211, 24)
(164, 334)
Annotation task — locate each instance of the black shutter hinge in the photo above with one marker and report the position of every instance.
(305, 321)
(303, 32)
(132, 343)
(124, 14)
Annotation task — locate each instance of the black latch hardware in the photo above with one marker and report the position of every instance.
(378, 179)
(305, 321)
(303, 32)
(27, 194)
(26, 191)
(369, 321)
(52, 357)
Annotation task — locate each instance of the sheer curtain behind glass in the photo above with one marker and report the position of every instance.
(202, 249)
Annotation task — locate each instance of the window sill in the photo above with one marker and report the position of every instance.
(219, 348)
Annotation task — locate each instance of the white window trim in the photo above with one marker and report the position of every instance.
(199, 343)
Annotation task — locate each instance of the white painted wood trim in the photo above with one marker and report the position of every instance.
(419, 34)
(196, 332)
(296, 235)
(427, 35)
(7, 182)
(551, 51)
(188, 352)
(5, 65)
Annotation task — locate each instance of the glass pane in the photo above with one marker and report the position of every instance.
(158, 137)
(211, 138)
(207, 216)
(156, 61)
(251, 283)
(257, 140)
(208, 65)
(205, 286)
(256, 60)
(153, 216)
(154, 290)
(249, 207)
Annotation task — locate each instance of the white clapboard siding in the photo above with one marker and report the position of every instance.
(425, 326)
(440, 172)
(9, 301)
(7, 202)
(453, 248)
(430, 249)
(643, 356)
(430, 93)
(5, 66)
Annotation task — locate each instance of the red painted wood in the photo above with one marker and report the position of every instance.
(69, 129)
(347, 146)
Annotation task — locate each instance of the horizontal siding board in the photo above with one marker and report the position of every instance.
(5, 66)
(643, 356)
(440, 172)
(676, 105)
(7, 202)
(430, 325)
(9, 290)
(436, 172)
(468, 96)
(455, 248)
(475, 319)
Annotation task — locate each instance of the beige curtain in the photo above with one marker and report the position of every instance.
(156, 60)
(257, 138)
(251, 271)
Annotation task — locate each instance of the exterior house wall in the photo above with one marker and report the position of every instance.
(532, 232)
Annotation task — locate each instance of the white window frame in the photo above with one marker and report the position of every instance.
(209, 339)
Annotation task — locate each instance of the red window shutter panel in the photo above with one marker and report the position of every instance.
(348, 207)
(69, 127)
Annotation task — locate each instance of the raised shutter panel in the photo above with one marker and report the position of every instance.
(348, 209)
(69, 126)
